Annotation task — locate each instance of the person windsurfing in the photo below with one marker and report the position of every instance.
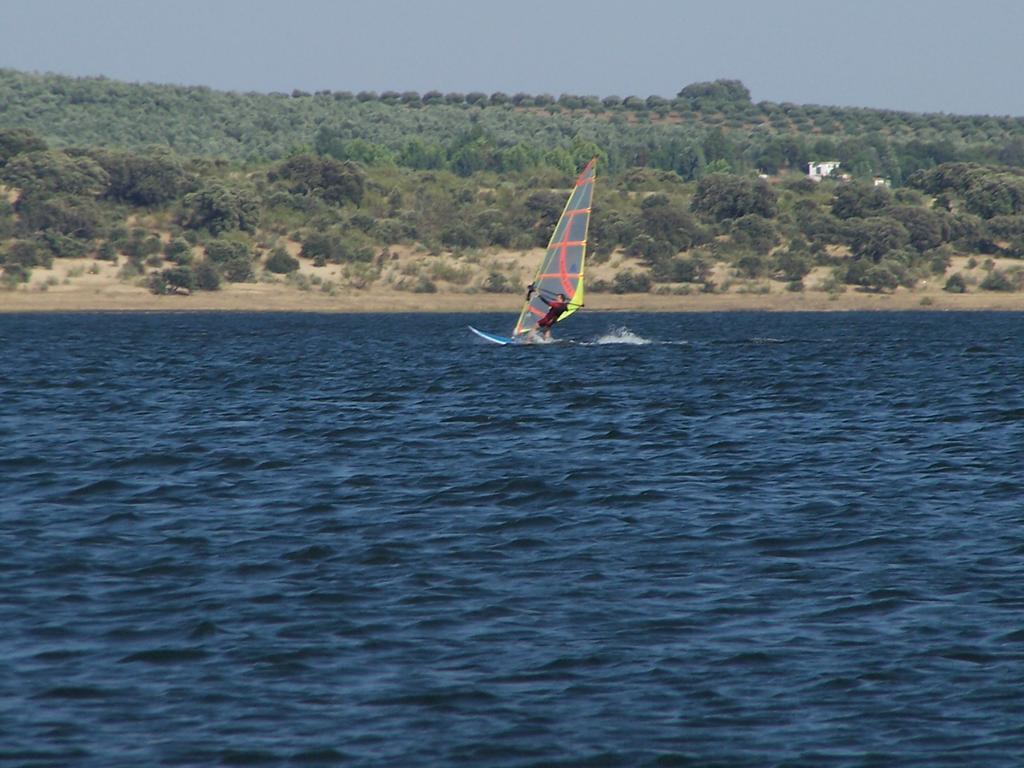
(555, 310)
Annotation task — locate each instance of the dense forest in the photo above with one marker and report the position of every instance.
(187, 187)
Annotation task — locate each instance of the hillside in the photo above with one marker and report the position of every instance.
(394, 201)
(706, 124)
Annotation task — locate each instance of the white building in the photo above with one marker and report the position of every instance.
(822, 169)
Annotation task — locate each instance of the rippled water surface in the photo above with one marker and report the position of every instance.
(686, 540)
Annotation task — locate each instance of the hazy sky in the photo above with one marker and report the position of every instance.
(960, 56)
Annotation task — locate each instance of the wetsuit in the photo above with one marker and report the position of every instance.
(555, 311)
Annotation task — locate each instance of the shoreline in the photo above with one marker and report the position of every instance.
(257, 298)
(85, 285)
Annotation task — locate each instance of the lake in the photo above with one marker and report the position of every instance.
(375, 540)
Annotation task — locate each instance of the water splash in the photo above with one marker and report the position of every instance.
(621, 335)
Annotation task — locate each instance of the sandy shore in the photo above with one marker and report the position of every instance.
(258, 298)
(86, 286)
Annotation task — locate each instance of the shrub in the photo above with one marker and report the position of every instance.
(723, 196)
(173, 280)
(424, 285)
(751, 265)
(207, 276)
(754, 232)
(27, 253)
(628, 281)
(281, 263)
(157, 283)
(322, 247)
(180, 277)
(997, 280)
(179, 251)
(880, 277)
(495, 282)
(221, 208)
(107, 252)
(955, 284)
(12, 274)
(793, 265)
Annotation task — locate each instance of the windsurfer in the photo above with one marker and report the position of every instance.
(555, 310)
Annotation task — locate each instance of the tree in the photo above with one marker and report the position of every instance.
(724, 196)
(77, 217)
(323, 177)
(54, 172)
(995, 195)
(153, 178)
(793, 265)
(873, 237)
(420, 155)
(666, 219)
(628, 281)
(997, 280)
(281, 263)
(27, 253)
(716, 94)
(859, 200)
(755, 233)
(926, 229)
(880, 277)
(15, 141)
(233, 259)
(955, 284)
(220, 208)
(180, 277)
(207, 276)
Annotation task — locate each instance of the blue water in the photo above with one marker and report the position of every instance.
(688, 540)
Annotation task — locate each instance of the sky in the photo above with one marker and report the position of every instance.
(954, 56)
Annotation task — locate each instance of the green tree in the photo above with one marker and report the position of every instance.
(219, 208)
(873, 237)
(955, 284)
(54, 172)
(997, 280)
(716, 94)
(15, 141)
(629, 281)
(73, 216)
(926, 229)
(27, 253)
(207, 276)
(880, 277)
(857, 200)
(666, 219)
(324, 177)
(421, 155)
(281, 263)
(233, 260)
(755, 233)
(724, 196)
(153, 178)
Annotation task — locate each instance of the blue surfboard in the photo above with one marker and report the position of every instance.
(493, 337)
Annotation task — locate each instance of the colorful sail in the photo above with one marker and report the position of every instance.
(561, 271)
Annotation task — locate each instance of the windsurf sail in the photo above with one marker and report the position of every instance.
(561, 270)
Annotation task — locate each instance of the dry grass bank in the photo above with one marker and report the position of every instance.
(88, 285)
